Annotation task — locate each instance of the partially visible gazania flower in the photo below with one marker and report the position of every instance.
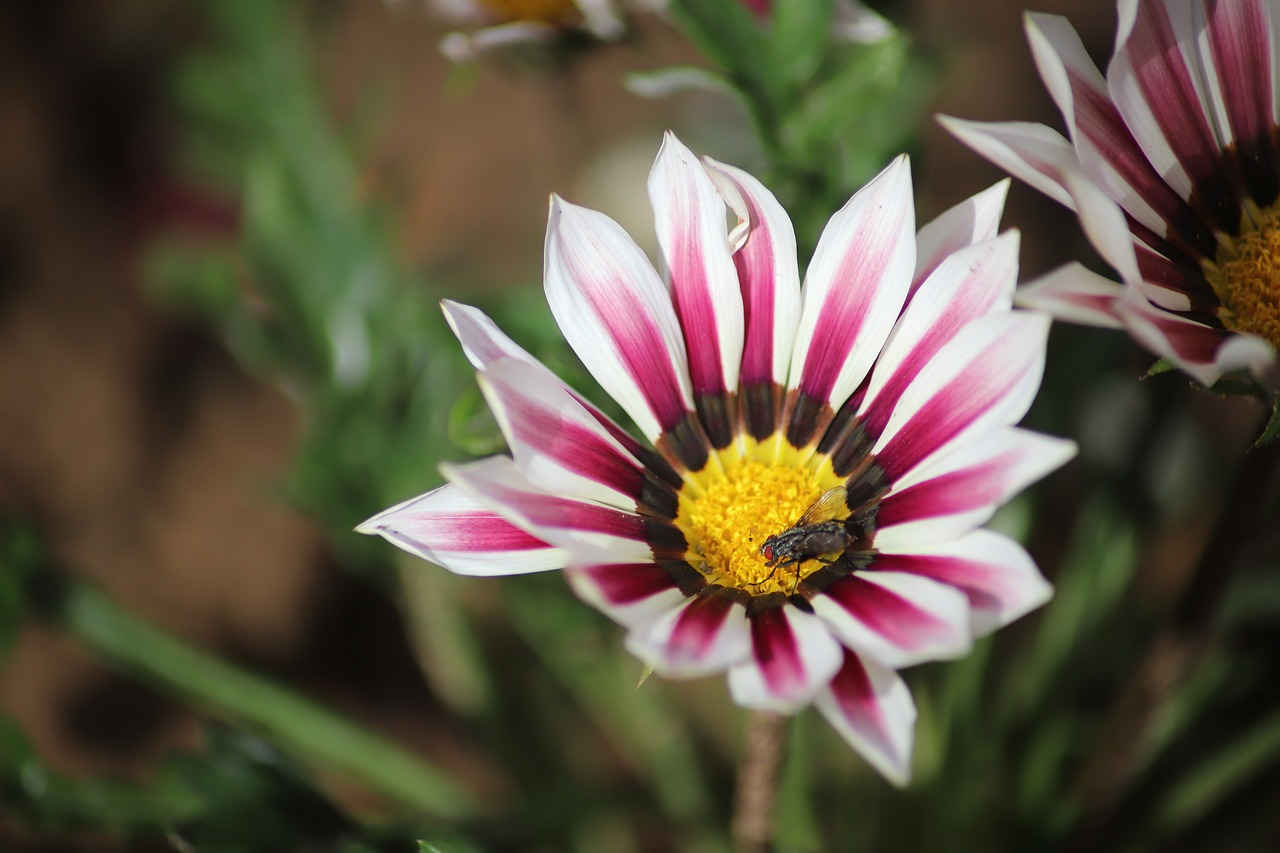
(489, 25)
(1172, 168)
(893, 378)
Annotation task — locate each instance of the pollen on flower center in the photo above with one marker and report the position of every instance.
(1247, 280)
(548, 11)
(737, 512)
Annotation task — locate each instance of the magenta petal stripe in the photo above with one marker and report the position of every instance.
(1155, 90)
(948, 497)
(968, 284)
(994, 572)
(617, 316)
(1103, 143)
(1239, 35)
(692, 236)
(770, 281)
(983, 378)
(637, 593)
(872, 710)
(708, 634)
(560, 447)
(448, 527)
(484, 343)
(793, 656)
(896, 619)
(565, 522)
(853, 291)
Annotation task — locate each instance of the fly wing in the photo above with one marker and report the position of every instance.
(829, 506)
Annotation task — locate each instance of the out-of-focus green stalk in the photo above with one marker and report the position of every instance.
(290, 721)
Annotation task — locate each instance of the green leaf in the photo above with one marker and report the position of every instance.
(727, 33)
(1163, 365)
(800, 32)
(291, 721)
(1272, 430)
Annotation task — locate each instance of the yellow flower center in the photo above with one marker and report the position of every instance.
(548, 11)
(1246, 277)
(737, 510)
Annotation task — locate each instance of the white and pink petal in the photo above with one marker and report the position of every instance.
(632, 594)
(974, 281)
(768, 273)
(448, 527)
(693, 240)
(994, 572)
(793, 656)
(955, 492)
(1033, 153)
(896, 619)
(871, 707)
(983, 378)
(1075, 294)
(974, 220)
(616, 315)
(560, 447)
(585, 530)
(855, 288)
(707, 634)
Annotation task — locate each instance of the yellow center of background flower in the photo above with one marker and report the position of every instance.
(1246, 278)
(546, 11)
(736, 512)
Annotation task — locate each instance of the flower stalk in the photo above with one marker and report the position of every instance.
(764, 747)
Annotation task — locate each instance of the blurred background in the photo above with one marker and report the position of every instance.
(224, 229)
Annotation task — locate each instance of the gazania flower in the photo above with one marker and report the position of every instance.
(1172, 168)
(489, 25)
(884, 393)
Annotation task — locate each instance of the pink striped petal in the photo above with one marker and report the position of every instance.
(1154, 82)
(1075, 294)
(974, 220)
(587, 531)
(855, 287)
(484, 343)
(985, 377)
(615, 312)
(634, 594)
(1030, 152)
(561, 448)
(1103, 143)
(872, 710)
(451, 529)
(793, 657)
(972, 282)
(693, 239)
(1239, 62)
(995, 573)
(770, 282)
(708, 634)
(896, 619)
(957, 491)
(1199, 350)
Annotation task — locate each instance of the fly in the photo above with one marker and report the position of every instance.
(821, 529)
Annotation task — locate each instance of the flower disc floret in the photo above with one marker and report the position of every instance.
(1247, 278)
(736, 512)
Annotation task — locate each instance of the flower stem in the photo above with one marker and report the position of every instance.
(1175, 648)
(763, 748)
